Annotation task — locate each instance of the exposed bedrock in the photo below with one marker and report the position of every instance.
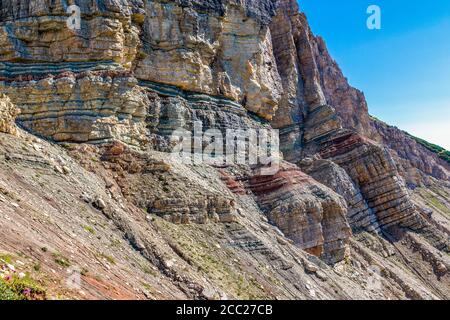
(349, 103)
(37, 31)
(97, 103)
(158, 186)
(8, 114)
(415, 163)
(304, 113)
(317, 106)
(373, 171)
(172, 108)
(225, 50)
(215, 59)
(310, 214)
(94, 107)
(366, 175)
(360, 215)
(229, 55)
(311, 79)
(138, 70)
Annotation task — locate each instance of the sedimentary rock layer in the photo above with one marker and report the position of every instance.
(313, 115)
(93, 106)
(8, 114)
(226, 51)
(360, 216)
(310, 214)
(416, 164)
(137, 71)
(374, 172)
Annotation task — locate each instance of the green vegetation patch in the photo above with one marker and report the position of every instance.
(108, 258)
(61, 260)
(14, 287)
(89, 229)
(5, 258)
(196, 245)
(433, 200)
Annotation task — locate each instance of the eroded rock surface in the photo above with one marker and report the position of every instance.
(8, 114)
(84, 107)
(310, 214)
(360, 215)
(105, 186)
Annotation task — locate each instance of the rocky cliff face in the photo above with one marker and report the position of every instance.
(307, 212)
(415, 163)
(8, 114)
(107, 98)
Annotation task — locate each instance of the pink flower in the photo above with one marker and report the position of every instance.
(26, 292)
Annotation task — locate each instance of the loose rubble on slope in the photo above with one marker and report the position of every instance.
(94, 205)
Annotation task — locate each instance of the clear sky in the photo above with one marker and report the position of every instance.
(403, 69)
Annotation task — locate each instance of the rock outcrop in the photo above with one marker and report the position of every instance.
(227, 54)
(372, 169)
(310, 214)
(92, 106)
(415, 163)
(8, 114)
(311, 127)
(349, 103)
(360, 216)
(36, 31)
(135, 171)
(109, 97)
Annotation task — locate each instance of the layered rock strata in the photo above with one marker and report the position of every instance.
(310, 214)
(225, 52)
(360, 216)
(312, 127)
(8, 114)
(415, 163)
(374, 172)
(137, 71)
(137, 170)
(91, 106)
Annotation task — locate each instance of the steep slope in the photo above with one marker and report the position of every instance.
(69, 213)
(415, 162)
(92, 177)
(311, 127)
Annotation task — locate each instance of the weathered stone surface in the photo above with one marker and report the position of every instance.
(415, 163)
(227, 52)
(303, 113)
(292, 106)
(37, 31)
(235, 186)
(8, 114)
(359, 215)
(138, 255)
(374, 172)
(172, 108)
(319, 105)
(137, 71)
(228, 55)
(91, 107)
(349, 103)
(310, 214)
(167, 197)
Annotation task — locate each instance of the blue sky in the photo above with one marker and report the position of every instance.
(403, 69)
